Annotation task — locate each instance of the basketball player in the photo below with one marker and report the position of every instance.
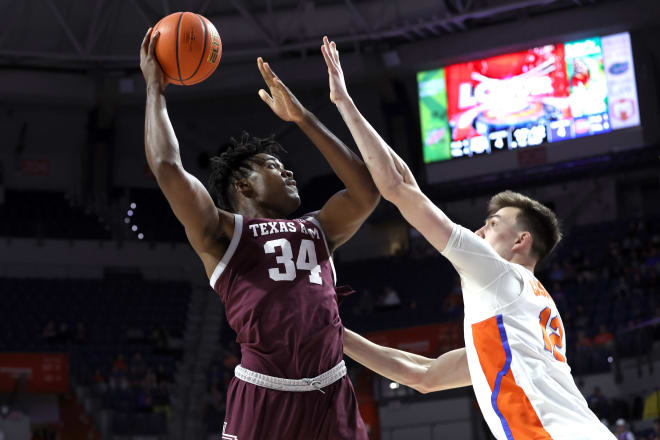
(274, 275)
(515, 346)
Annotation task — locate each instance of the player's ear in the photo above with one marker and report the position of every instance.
(242, 186)
(523, 240)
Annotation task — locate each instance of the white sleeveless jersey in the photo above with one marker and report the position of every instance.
(516, 348)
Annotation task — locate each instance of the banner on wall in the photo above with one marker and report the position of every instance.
(43, 372)
(426, 340)
(34, 167)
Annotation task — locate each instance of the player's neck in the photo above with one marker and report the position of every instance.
(254, 210)
(525, 261)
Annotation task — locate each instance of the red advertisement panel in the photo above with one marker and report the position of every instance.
(43, 373)
(427, 340)
(507, 90)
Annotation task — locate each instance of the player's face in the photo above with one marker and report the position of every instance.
(273, 185)
(501, 231)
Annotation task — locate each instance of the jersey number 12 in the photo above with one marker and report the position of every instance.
(553, 341)
(306, 260)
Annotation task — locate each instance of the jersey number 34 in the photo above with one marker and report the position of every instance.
(306, 260)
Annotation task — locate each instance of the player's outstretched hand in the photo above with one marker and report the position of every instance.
(280, 100)
(338, 91)
(153, 74)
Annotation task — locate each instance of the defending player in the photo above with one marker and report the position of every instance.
(275, 276)
(515, 354)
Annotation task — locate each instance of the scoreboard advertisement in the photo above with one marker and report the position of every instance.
(519, 100)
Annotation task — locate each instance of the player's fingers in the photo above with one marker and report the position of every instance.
(270, 73)
(265, 97)
(328, 60)
(152, 43)
(145, 41)
(334, 52)
(267, 76)
(328, 50)
(260, 66)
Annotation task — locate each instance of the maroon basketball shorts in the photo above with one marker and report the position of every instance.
(314, 411)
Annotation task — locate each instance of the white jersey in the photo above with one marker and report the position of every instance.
(516, 348)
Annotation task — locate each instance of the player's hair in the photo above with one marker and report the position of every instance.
(236, 163)
(534, 217)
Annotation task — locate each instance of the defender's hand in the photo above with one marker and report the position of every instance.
(338, 91)
(281, 101)
(153, 74)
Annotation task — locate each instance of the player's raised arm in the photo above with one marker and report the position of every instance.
(423, 374)
(187, 196)
(390, 173)
(344, 213)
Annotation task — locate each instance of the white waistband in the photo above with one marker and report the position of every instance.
(297, 385)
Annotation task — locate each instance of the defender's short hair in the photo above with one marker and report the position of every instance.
(534, 217)
(236, 163)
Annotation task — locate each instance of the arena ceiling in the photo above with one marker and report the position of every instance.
(105, 34)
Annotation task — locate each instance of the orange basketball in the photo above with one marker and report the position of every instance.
(188, 48)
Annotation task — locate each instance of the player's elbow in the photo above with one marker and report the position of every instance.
(416, 379)
(393, 190)
(165, 170)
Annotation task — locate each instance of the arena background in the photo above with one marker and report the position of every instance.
(109, 334)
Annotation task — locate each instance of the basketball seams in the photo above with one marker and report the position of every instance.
(178, 56)
(201, 58)
(178, 28)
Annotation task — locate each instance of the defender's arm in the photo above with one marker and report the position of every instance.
(423, 374)
(390, 173)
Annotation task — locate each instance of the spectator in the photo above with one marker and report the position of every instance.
(557, 273)
(162, 375)
(50, 332)
(604, 338)
(606, 423)
(365, 303)
(584, 354)
(622, 432)
(144, 399)
(120, 364)
(558, 295)
(63, 333)
(389, 298)
(81, 333)
(215, 398)
(599, 404)
(116, 377)
(99, 382)
(150, 380)
(134, 334)
(160, 338)
(581, 319)
(138, 368)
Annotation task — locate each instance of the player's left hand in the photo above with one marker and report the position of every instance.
(338, 91)
(281, 100)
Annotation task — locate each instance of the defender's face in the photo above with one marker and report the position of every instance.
(273, 185)
(501, 231)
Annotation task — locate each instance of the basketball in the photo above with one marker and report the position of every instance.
(188, 48)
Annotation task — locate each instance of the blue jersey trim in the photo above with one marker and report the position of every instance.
(500, 375)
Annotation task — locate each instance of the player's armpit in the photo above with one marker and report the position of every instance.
(342, 216)
(193, 206)
(446, 372)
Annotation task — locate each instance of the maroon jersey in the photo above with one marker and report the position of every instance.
(277, 282)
